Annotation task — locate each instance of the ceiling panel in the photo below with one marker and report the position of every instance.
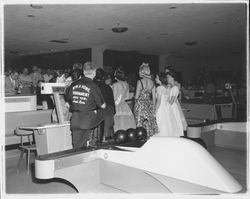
(152, 28)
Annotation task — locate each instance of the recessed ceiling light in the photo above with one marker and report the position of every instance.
(100, 28)
(36, 6)
(13, 52)
(164, 34)
(58, 41)
(31, 16)
(173, 7)
(191, 43)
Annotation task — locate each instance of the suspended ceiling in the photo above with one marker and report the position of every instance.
(198, 30)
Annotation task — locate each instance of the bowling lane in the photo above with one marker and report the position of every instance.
(20, 183)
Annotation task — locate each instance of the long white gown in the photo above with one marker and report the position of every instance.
(165, 118)
(178, 113)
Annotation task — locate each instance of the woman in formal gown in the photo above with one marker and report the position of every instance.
(144, 108)
(178, 113)
(165, 118)
(124, 118)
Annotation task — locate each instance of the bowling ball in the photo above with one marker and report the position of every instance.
(132, 135)
(120, 136)
(141, 133)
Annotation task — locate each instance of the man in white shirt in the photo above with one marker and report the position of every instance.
(11, 83)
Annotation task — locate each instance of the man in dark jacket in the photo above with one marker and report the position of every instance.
(107, 129)
(87, 106)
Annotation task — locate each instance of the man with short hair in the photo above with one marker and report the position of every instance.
(11, 83)
(87, 106)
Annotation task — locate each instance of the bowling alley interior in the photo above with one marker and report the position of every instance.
(203, 46)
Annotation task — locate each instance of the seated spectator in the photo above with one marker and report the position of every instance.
(48, 75)
(60, 76)
(26, 82)
(36, 75)
(11, 83)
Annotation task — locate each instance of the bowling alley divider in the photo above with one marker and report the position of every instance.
(227, 134)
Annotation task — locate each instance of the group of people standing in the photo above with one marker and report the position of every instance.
(92, 102)
(157, 108)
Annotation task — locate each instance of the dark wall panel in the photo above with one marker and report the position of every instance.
(129, 60)
(60, 60)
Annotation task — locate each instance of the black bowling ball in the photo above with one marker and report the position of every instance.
(132, 135)
(141, 133)
(120, 136)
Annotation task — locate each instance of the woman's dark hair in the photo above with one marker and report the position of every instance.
(76, 74)
(163, 78)
(120, 73)
(100, 75)
(172, 74)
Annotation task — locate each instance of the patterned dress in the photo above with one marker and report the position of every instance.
(144, 112)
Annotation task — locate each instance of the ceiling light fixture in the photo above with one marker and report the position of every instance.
(36, 6)
(119, 29)
(164, 34)
(191, 43)
(59, 41)
(14, 51)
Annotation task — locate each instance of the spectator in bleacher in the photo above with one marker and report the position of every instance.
(48, 75)
(60, 76)
(26, 82)
(11, 82)
(36, 75)
(53, 79)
